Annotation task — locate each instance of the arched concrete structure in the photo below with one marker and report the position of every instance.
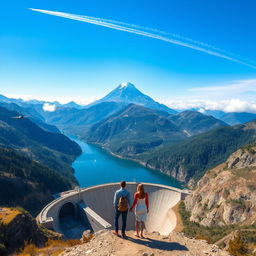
(97, 204)
(68, 209)
(72, 226)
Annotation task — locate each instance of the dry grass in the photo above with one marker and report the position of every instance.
(252, 248)
(248, 173)
(52, 248)
(179, 226)
(8, 214)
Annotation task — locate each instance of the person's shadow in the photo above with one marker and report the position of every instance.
(156, 244)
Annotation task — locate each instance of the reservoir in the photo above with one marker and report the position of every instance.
(95, 166)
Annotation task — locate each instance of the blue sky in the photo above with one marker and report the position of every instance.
(54, 57)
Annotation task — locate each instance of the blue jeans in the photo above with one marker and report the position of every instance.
(124, 218)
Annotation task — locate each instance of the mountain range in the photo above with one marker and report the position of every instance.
(213, 152)
(131, 124)
(31, 113)
(137, 129)
(90, 122)
(231, 118)
(22, 133)
(124, 94)
(238, 118)
(193, 122)
(189, 159)
(36, 158)
(133, 130)
(77, 121)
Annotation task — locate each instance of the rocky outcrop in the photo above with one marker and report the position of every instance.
(176, 244)
(242, 158)
(226, 194)
(18, 230)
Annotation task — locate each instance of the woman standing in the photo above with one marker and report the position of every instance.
(141, 209)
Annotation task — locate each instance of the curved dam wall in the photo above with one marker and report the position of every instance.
(97, 204)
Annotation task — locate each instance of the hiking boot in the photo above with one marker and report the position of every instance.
(115, 232)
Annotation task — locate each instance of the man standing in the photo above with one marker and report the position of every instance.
(122, 202)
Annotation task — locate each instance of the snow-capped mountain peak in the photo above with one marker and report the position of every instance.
(126, 85)
(127, 93)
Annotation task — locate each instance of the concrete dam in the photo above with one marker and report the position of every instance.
(92, 208)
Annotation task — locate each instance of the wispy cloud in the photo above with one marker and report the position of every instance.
(234, 89)
(236, 96)
(152, 33)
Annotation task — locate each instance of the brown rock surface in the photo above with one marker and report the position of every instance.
(242, 158)
(227, 194)
(105, 243)
(17, 227)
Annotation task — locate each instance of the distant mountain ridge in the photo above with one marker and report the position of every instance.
(238, 118)
(78, 121)
(32, 131)
(32, 114)
(128, 93)
(138, 129)
(189, 159)
(194, 122)
(133, 130)
(231, 118)
(72, 104)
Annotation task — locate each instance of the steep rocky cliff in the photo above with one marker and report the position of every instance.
(227, 194)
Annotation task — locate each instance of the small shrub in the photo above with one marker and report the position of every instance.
(30, 250)
(237, 247)
(52, 248)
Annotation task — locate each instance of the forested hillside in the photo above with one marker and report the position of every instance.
(34, 163)
(26, 183)
(192, 157)
(134, 130)
(54, 150)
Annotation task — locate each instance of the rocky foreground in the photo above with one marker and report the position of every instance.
(104, 243)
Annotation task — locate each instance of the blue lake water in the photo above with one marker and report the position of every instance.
(95, 166)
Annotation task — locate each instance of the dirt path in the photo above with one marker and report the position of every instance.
(106, 244)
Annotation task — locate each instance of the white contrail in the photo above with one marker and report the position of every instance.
(139, 30)
(155, 31)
